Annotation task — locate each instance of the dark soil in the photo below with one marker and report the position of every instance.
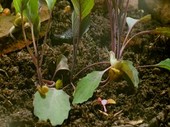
(147, 106)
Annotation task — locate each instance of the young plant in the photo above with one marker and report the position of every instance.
(118, 67)
(105, 102)
(52, 103)
(49, 103)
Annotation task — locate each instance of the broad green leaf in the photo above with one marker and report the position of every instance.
(82, 7)
(17, 5)
(20, 5)
(55, 106)
(86, 86)
(164, 64)
(84, 25)
(131, 22)
(50, 4)
(163, 31)
(130, 72)
(32, 11)
(32, 14)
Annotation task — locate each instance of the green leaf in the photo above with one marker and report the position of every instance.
(86, 86)
(164, 64)
(17, 5)
(36, 26)
(20, 5)
(55, 106)
(75, 24)
(32, 14)
(32, 11)
(83, 7)
(131, 22)
(163, 31)
(50, 4)
(131, 74)
(84, 25)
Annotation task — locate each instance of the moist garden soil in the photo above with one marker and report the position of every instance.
(147, 106)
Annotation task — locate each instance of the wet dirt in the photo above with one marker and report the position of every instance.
(147, 106)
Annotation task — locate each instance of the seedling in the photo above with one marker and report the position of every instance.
(105, 102)
(49, 103)
(118, 67)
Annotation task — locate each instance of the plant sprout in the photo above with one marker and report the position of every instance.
(105, 102)
(118, 67)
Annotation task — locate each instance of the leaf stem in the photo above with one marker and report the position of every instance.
(38, 68)
(147, 66)
(45, 39)
(76, 39)
(112, 17)
(128, 41)
(91, 65)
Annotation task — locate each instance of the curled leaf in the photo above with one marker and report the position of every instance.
(113, 59)
(131, 22)
(114, 74)
(130, 72)
(62, 65)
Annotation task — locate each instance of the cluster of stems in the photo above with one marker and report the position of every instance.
(117, 14)
(37, 57)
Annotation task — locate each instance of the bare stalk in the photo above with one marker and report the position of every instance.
(38, 68)
(45, 38)
(121, 23)
(128, 41)
(147, 66)
(117, 37)
(91, 65)
(112, 17)
(26, 41)
(76, 41)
